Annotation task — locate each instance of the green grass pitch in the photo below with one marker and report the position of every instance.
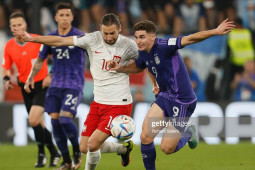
(204, 157)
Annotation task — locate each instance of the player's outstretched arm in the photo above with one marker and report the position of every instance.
(47, 40)
(30, 80)
(224, 28)
(130, 68)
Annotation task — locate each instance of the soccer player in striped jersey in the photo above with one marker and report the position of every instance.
(23, 55)
(176, 99)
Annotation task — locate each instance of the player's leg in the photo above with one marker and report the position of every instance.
(109, 112)
(36, 118)
(171, 139)
(61, 140)
(175, 139)
(38, 130)
(71, 132)
(148, 134)
(52, 106)
(94, 144)
(70, 102)
(100, 117)
(89, 128)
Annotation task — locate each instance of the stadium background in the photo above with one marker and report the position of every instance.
(203, 55)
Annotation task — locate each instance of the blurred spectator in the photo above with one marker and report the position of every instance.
(3, 35)
(240, 48)
(91, 14)
(153, 10)
(195, 82)
(134, 11)
(225, 9)
(190, 18)
(213, 82)
(3, 22)
(243, 84)
(138, 95)
(120, 7)
(170, 10)
(210, 11)
(251, 14)
(47, 21)
(122, 11)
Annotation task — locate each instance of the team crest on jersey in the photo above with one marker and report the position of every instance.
(157, 60)
(84, 128)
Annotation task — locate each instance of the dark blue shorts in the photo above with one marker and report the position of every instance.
(62, 99)
(180, 112)
(175, 109)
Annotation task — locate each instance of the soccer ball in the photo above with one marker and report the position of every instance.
(122, 127)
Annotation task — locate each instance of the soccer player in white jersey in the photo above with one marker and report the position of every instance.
(112, 95)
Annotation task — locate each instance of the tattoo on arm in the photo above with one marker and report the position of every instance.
(36, 68)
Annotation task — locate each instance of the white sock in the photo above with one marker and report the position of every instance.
(110, 147)
(92, 160)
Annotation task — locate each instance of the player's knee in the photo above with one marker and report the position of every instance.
(83, 148)
(167, 149)
(93, 146)
(65, 120)
(33, 122)
(145, 139)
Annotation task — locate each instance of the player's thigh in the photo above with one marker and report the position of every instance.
(53, 100)
(92, 120)
(39, 94)
(170, 139)
(84, 144)
(151, 122)
(27, 97)
(109, 112)
(96, 140)
(71, 100)
(35, 115)
(37, 108)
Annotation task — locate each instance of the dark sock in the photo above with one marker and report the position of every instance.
(39, 137)
(149, 156)
(66, 158)
(49, 143)
(70, 131)
(61, 139)
(183, 140)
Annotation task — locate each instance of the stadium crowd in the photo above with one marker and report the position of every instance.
(173, 18)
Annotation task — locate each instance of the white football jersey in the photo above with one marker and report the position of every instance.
(109, 87)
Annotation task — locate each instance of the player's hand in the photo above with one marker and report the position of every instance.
(29, 83)
(46, 81)
(113, 65)
(8, 85)
(225, 27)
(21, 34)
(155, 90)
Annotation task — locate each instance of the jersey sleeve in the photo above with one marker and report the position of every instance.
(44, 51)
(7, 61)
(85, 40)
(174, 43)
(133, 50)
(140, 63)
